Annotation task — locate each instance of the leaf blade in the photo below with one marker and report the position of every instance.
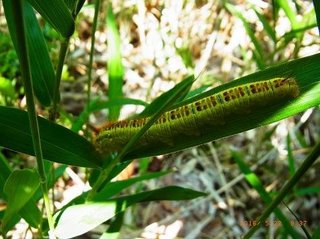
(59, 144)
(57, 14)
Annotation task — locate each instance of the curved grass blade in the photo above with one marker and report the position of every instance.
(266, 25)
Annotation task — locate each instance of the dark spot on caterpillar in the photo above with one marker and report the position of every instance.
(172, 115)
(198, 106)
(241, 92)
(204, 104)
(277, 83)
(164, 119)
(226, 96)
(265, 86)
(213, 101)
(186, 110)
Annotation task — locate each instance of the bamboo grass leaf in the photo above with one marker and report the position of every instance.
(58, 143)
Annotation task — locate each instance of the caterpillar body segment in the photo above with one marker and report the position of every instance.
(204, 114)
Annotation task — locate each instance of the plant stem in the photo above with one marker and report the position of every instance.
(93, 38)
(56, 96)
(312, 157)
(27, 78)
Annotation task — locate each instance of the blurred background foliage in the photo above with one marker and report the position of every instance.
(156, 44)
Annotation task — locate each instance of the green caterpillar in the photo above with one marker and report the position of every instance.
(201, 115)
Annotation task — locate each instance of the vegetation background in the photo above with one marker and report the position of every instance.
(144, 48)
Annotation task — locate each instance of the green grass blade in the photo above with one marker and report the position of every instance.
(266, 26)
(312, 157)
(290, 13)
(304, 229)
(58, 143)
(304, 70)
(307, 191)
(57, 14)
(115, 68)
(113, 188)
(258, 51)
(40, 64)
(292, 34)
(255, 182)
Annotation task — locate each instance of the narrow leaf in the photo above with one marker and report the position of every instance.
(115, 68)
(114, 188)
(58, 143)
